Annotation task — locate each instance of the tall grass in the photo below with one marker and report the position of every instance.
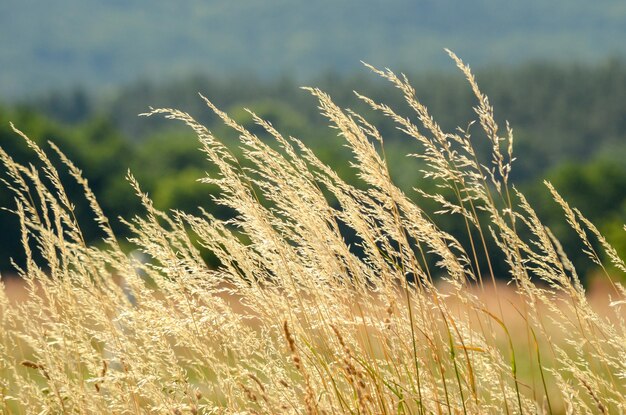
(408, 319)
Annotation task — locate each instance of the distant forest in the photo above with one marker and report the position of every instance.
(100, 44)
(569, 123)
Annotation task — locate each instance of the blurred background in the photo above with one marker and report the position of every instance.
(78, 72)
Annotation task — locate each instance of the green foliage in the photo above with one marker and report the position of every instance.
(559, 112)
(95, 145)
(564, 117)
(598, 189)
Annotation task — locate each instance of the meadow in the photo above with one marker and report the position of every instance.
(403, 316)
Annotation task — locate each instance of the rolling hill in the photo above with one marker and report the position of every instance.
(99, 44)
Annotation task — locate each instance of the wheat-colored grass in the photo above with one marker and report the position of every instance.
(294, 320)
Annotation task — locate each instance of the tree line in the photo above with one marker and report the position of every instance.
(569, 124)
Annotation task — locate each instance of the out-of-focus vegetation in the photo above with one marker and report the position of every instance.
(569, 124)
(102, 43)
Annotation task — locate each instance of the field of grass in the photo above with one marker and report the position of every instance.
(501, 299)
(406, 319)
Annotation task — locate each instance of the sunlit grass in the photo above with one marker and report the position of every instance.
(404, 318)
